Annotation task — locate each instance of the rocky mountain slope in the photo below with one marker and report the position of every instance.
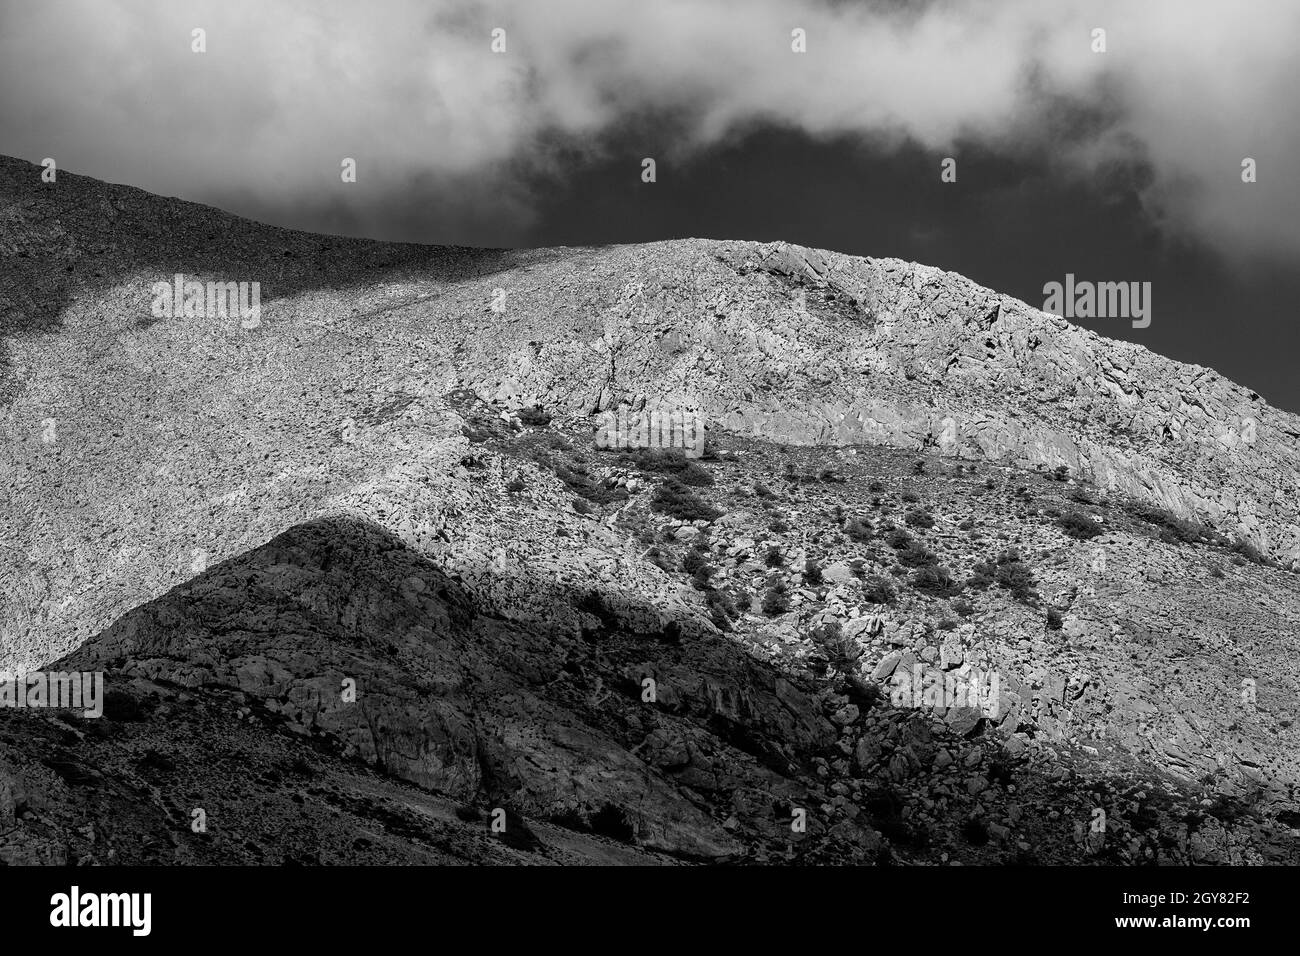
(905, 469)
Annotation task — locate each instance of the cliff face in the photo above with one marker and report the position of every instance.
(345, 488)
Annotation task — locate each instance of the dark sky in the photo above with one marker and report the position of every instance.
(1009, 226)
(1114, 165)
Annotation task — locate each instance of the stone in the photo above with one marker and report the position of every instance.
(887, 665)
(866, 753)
(951, 654)
(846, 715)
(962, 720)
(838, 573)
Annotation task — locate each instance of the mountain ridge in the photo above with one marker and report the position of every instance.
(902, 470)
(771, 340)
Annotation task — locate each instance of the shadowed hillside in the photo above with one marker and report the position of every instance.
(236, 687)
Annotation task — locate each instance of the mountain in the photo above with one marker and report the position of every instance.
(390, 477)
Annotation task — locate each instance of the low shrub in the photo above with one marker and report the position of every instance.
(693, 560)
(842, 652)
(858, 530)
(677, 501)
(1017, 578)
(916, 555)
(1245, 549)
(1078, 525)
(776, 599)
(878, 591)
(721, 611)
(917, 518)
(576, 476)
(983, 575)
(672, 462)
(934, 579)
(533, 416)
(660, 559)
(1172, 529)
(897, 538)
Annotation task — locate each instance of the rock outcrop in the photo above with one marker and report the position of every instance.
(340, 634)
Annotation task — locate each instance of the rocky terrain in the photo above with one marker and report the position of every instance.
(390, 484)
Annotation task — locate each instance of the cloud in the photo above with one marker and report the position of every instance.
(449, 134)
